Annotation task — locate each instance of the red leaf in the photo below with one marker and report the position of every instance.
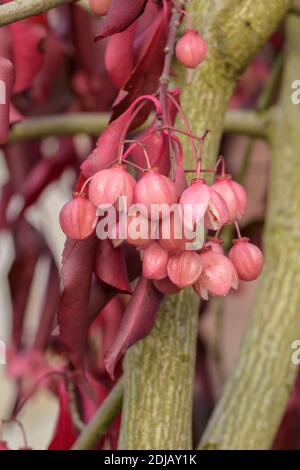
(107, 147)
(110, 266)
(27, 40)
(6, 84)
(137, 322)
(119, 56)
(48, 310)
(121, 14)
(65, 432)
(28, 245)
(157, 149)
(145, 76)
(77, 269)
(106, 327)
(46, 171)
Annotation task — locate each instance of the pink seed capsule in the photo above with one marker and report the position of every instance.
(247, 259)
(218, 274)
(107, 186)
(217, 211)
(234, 195)
(194, 202)
(241, 197)
(184, 269)
(166, 286)
(172, 234)
(191, 49)
(141, 231)
(78, 218)
(6, 83)
(215, 245)
(155, 262)
(154, 189)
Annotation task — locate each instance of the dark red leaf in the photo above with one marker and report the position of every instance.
(65, 432)
(107, 147)
(106, 327)
(157, 147)
(46, 171)
(52, 63)
(6, 194)
(110, 266)
(77, 269)
(145, 76)
(6, 84)
(49, 309)
(28, 246)
(27, 44)
(119, 56)
(137, 322)
(121, 14)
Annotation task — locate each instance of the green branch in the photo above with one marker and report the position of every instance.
(20, 9)
(236, 122)
(249, 123)
(99, 424)
(58, 125)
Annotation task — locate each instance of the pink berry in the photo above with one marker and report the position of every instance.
(200, 200)
(155, 262)
(215, 245)
(78, 218)
(191, 49)
(172, 235)
(141, 231)
(241, 197)
(234, 195)
(184, 269)
(247, 259)
(194, 203)
(218, 275)
(154, 188)
(217, 211)
(107, 186)
(166, 286)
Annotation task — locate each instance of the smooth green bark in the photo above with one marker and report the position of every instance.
(255, 397)
(155, 414)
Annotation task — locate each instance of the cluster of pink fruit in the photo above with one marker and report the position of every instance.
(166, 260)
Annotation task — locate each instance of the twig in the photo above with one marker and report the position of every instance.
(102, 419)
(20, 9)
(165, 76)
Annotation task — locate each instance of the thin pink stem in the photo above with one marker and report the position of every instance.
(237, 229)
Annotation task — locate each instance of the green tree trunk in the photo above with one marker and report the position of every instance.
(160, 368)
(249, 413)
